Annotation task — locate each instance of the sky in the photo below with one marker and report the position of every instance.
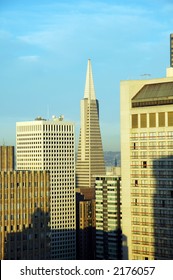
(45, 46)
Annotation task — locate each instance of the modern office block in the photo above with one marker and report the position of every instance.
(6, 158)
(108, 217)
(146, 168)
(25, 215)
(50, 145)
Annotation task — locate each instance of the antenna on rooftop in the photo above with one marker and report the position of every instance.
(146, 75)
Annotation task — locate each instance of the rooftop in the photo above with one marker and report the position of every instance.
(154, 94)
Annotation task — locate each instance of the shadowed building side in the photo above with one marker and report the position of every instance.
(25, 214)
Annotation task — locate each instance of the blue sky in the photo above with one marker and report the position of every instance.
(45, 45)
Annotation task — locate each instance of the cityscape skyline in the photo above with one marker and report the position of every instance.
(87, 211)
(45, 47)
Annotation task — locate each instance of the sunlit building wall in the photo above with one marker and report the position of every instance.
(50, 145)
(6, 158)
(146, 167)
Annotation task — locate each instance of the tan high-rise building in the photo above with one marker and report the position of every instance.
(6, 158)
(25, 215)
(50, 145)
(146, 167)
(90, 158)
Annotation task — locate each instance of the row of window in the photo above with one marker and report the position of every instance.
(152, 135)
(150, 120)
(45, 127)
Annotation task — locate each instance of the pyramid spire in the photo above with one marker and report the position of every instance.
(89, 84)
(90, 160)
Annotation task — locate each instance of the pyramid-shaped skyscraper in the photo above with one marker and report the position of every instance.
(90, 159)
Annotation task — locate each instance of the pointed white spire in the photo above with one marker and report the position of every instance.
(89, 85)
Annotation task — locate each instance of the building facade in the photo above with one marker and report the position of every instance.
(50, 145)
(25, 214)
(146, 168)
(108, 217)
(6, 158)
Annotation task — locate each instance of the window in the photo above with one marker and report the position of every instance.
(144, 164)
(170, 118)
(152, 120)
(161, 119)
(143, 120)
(136, 183)
(135, 121)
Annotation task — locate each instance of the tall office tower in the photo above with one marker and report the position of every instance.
(90, 159)
(146, 167)
(171, 50)
(25, 210)
(108, 217)
(49, 145)
(6, 158)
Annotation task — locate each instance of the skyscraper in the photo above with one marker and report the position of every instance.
(90, 159)
(49, 145)
(146, 168)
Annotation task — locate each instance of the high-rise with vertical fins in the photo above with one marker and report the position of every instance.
(90, 159)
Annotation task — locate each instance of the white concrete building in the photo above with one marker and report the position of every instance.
(146, 167)
(50, 145)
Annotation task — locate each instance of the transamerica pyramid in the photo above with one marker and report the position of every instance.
(90, 159)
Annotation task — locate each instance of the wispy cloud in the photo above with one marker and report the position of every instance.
(29, 58)
(4, 34)
(87, 20)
